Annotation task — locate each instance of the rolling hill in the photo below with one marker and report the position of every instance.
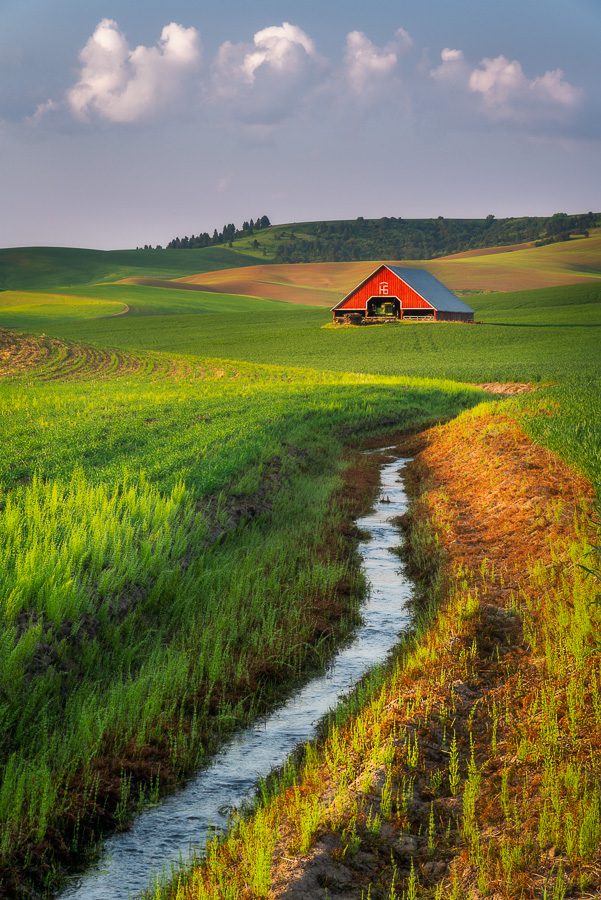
(323, 284)
(177, 549)
(47, 268)
(389, 237)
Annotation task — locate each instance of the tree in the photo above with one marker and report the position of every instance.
(558, 224)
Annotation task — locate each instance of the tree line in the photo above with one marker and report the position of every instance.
(396, 238)
(227, 235)
(390, 237)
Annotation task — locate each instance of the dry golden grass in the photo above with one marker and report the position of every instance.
(489, 251)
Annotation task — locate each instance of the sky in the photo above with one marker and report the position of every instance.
(124, 123)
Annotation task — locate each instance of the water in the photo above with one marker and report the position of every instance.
(172, 831)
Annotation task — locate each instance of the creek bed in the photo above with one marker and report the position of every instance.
(173, 832)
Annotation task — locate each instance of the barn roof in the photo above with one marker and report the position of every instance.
(431, 289)
(424, 283)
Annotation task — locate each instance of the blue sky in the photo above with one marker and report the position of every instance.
(124, 123)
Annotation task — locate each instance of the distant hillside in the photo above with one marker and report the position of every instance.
(387, 238)
(324, 283)
(51, 268)
(34, 268)
(396, 238)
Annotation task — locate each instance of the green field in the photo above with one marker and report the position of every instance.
(166, 482)
(30, 268)
(534, 335)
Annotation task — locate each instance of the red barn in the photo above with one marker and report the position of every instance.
(396, 292)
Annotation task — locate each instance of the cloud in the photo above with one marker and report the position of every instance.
(368, 67)
(43, 110)
(447, 55)
(125, 85)
(279, 74)
(507, 93)
(453, 67)
(266, 80)
(504, 90)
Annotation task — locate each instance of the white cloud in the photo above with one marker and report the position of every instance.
(507, 93)
(369, 66)
(448, 55)
(125, 85)
(43, 110)
(279, 74)
(284, 48)
(504, 90)
(453, 67)
(499, 81)
(552, 86)
(266, 80)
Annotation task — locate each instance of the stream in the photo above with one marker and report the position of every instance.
(172, 832)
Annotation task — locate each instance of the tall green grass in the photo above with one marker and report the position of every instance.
(134, 611)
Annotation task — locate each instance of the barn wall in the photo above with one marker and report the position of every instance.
(396, 288)
(455, 316)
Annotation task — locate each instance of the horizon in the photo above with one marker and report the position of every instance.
(282, 225)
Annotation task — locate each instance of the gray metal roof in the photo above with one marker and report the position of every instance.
(431, 289)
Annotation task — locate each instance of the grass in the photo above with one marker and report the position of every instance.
(35, 310)
(551, 334)
(124, 568)
(31, 268)
(51, 268)
(470, 764)
(172, 542)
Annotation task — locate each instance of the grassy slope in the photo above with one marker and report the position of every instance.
(47, 268)
(132, 637)
(25, 311)
(520, 269)
(277, 235)
(544, 335)
(538, 335)
(216, 432)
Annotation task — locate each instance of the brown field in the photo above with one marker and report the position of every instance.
(324, 284)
